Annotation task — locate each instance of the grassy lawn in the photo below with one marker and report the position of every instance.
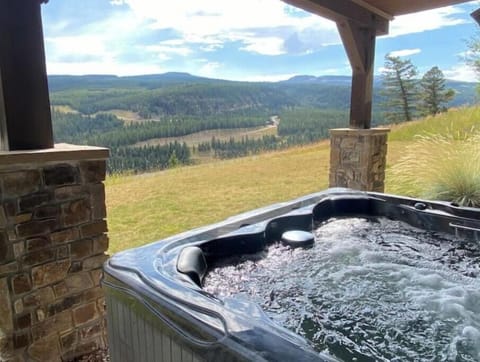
(149, 207)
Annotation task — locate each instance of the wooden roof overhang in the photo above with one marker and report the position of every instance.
(25, 119)
(359, 23)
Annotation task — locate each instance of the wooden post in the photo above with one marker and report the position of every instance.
(359, 23)
(358, 154)
(359, 42)
(24, 104)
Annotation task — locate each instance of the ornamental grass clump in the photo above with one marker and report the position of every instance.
(440, 167)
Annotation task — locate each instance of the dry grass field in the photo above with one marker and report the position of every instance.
(194, 139)
(148, 207)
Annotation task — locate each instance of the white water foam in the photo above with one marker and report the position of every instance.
(368, 291)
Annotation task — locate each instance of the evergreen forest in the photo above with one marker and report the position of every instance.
(258, 117)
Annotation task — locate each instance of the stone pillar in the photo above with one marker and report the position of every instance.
(52, 245)
(358, 158)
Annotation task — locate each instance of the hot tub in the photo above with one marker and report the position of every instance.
(158, 311)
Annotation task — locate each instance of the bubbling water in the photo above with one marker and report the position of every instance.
(368, 290)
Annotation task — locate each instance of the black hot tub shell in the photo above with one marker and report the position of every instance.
(158, 312)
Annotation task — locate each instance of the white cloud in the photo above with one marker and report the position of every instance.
(268, 77)
(141, 36)
(461, 72)
(213, 16)
(103, 67)
(165, 51)
(262, 25)
(251, 22)
(264, 46)
(209, 69)
(200, 19)
(77, 45)
(98, 47)
(211, 47)
(346, 70)
(405, 52)
(169, 49)
(380, 70)
(425, 20)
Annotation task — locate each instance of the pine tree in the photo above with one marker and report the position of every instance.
(434, 96)
(173, 160)
(472, 57)
(400, 89)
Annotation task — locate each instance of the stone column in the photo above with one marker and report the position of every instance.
(358, 158)
(52, 245)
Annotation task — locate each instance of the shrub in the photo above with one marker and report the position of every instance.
(440, 167)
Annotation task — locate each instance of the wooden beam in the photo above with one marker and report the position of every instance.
(24, 87)
(342, 10)
(402, 7)
(374, 9)
(359, 43)
(476, 16)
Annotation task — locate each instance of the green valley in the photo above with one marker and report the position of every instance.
(154, 122)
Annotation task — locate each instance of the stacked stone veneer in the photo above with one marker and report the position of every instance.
(358, 158)
(52, 246)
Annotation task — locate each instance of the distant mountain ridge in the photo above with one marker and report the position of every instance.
(170, 78)
(63, 82)
(177, 93)
(179, 77)
(309, 79)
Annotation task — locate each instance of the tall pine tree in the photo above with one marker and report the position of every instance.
(434, 96)
(400, 89)
(472, 56)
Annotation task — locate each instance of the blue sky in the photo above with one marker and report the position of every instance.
(252, 40)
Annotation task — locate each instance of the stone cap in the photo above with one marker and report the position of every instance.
(359, 132)
(59, 153)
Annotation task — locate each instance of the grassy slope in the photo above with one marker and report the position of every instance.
(459, 122)
(149, 207)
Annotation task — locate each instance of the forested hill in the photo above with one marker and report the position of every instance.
(150, 81)
(183, 94)
(160, 121)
